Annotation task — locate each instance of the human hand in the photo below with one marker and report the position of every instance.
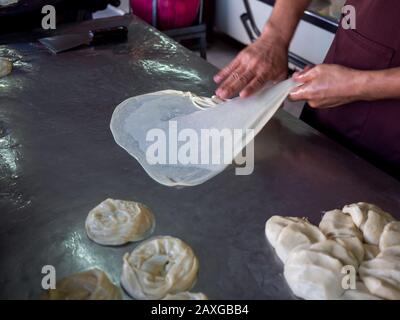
(328, 86)
(264, 60)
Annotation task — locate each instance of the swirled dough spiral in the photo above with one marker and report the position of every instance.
(157, 267)
(313, 271)
(285, 234)
(186, 296)
(88, 285)
(274, 226)
(5, 67)
(382, 275)
(339, 226)
(370, 219)
(390, 236)
(116, 222)
(360, 293)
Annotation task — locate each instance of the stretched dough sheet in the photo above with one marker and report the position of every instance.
(134, 118)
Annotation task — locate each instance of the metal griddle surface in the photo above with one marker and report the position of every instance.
(58, 160)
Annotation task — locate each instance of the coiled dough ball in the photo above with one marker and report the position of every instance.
(88, 285)
(116, 222)
(370, 219)
(158, 267)
(339, 226)
(314, 271)
(390, 236)
(382, 275)
(285, 234)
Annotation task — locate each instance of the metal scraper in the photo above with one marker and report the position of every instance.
(66, 42)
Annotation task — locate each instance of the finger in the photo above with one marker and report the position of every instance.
(308, 74)
(227, 71)
(255, 85)
(301, 93)
(235, 83)
(299, 73)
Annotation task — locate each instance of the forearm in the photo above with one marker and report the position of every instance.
(378, 85)
(284, 20)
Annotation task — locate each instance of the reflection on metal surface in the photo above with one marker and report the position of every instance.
(9, 157)
(80, 252)
(9, 172)
(157, 67)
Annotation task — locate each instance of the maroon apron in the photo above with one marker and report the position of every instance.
(371, 129)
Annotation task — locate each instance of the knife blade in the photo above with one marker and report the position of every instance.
(65, 42)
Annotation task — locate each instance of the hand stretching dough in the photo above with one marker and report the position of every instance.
(382, 275)
(313, 271)
(5, 67)
(157, 267)
(116, 222)
(285, 234)
(370, 219)
(390, 236)
(186, 296)
(339, 226)
(89, 285)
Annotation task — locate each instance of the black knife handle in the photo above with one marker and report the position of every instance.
(107, 35)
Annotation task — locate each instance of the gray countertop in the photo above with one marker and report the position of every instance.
(58, 160)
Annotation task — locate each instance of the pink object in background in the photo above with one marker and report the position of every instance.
(171, 14)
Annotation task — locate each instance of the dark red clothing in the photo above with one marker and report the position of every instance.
(371, 129)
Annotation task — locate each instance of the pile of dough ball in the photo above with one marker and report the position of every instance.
(159, 269)
(89, 285)
(162, 268)
(360, 237)
(117, 222)
(5, 67)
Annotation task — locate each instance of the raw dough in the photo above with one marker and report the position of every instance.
(116, 222)
(339, 226)
(370, 251)
(313, 271)
(181, 114)
(361, 293)
(89, 285)
(157, 267)
(186, 296)
(289, 233)
(382, 275)
(5, 67)
(390, 235)
(274, 226)
(370, 219)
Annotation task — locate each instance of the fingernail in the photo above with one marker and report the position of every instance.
(217, 78)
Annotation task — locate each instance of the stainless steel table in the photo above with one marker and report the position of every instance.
(58, 160)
